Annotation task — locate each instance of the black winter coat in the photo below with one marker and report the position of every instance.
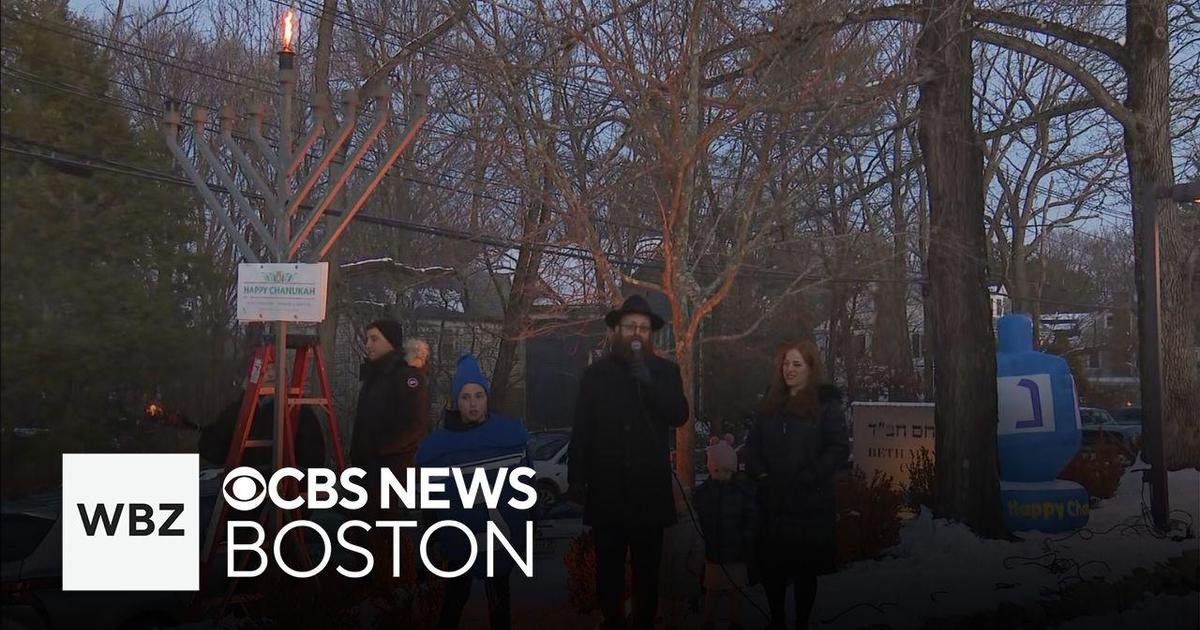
(793, 461)
(618, 458)
(728, 518)
(392, 408)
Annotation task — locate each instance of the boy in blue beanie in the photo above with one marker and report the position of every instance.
(472, 437)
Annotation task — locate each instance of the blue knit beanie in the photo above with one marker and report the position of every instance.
(468, 371)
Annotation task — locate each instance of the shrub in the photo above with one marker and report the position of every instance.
(868, 515)
(1098, 470)
(580, 559)
(921, 481)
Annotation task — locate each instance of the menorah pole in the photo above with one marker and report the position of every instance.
(287, 85)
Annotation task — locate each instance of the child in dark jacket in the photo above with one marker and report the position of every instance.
(726, 510)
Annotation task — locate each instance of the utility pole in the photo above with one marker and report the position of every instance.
(1149, 318)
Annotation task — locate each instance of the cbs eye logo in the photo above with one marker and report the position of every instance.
(244, 488)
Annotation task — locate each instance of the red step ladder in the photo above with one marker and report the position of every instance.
(307, 351)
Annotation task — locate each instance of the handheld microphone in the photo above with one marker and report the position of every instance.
(637, 365)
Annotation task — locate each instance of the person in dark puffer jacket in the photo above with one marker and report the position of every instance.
(389, 420)
(472, 437)
(727, 514)
(797, 443)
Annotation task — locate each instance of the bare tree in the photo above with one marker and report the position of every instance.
(897, 217)
(965, 367)
(1126, 65)
(157, 53)
(693, 159)
(1054, 173)
(1139, 57)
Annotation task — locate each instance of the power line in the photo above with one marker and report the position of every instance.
(133, 50)
(367, 161)
(68, 157)
(81, 160)
(748, 265)
(1043, 189)
(135, 107)
(427, 182)
(367, 165)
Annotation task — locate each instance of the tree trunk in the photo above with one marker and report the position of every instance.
(928, 337)
(525, 280)
(837, 326)
(685, 436)
(678, 283)
(1018, 275)
(892, 346)
(328, 329)
(901, 365)
(1151, 172)
(324, 54)
(928, 332)
(510, 337)
(965, 370)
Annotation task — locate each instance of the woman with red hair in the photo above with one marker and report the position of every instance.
(797, 443)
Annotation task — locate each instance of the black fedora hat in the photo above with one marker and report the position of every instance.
(634, 305)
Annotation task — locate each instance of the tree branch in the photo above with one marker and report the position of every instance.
(1089, 82)
(1064, 109)
(369, 86)
(1068, 34)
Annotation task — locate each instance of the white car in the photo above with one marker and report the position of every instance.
(548, 454)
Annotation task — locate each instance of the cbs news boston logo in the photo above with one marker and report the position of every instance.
(131, 522)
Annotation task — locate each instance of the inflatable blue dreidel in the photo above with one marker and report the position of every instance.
(1038, 431)
(1037, 434)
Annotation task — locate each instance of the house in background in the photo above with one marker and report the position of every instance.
(1100, 342)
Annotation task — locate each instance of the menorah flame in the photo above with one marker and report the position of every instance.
(289, 29)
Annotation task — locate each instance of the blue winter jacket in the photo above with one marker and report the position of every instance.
(497, 442)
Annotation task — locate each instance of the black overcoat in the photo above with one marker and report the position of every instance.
(619, 457)
(793, 460)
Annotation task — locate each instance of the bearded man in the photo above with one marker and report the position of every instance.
(619, 460)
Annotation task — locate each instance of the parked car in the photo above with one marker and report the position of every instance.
(31, 595)
(1130, 419)
(548, 454)
(1095, 421)
(31, 576)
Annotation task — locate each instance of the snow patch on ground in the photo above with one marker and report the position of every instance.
(941, 569)
(1160, 612)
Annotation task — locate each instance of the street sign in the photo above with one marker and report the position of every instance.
(287, 292)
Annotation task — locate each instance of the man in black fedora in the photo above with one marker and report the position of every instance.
(619, 461)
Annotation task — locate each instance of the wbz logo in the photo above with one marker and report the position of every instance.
(141, 519)
(131, 522)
